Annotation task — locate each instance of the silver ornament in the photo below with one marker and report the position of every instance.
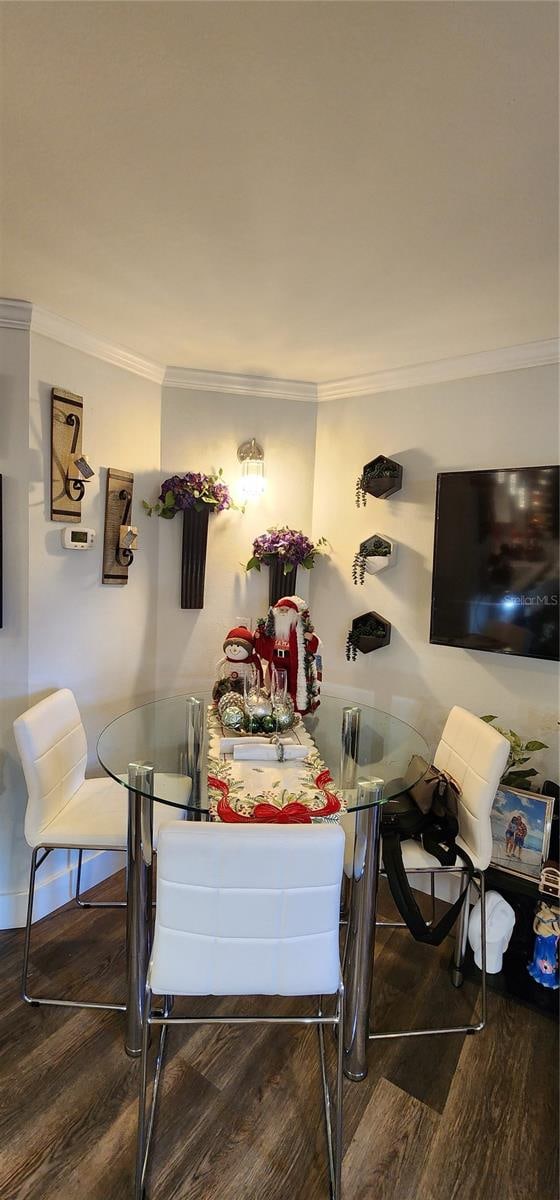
(284, 714)
(231, 710)
(261, 706)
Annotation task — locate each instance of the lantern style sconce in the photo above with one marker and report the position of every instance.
(120, 539)
(251, 457)
(70, 469)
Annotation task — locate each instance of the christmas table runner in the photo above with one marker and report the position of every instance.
(282, 792)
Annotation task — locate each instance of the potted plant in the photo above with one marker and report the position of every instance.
(283, 550)
(369, 632)
(373, 555)
(196, 496)
(381, 478)
(519, 754)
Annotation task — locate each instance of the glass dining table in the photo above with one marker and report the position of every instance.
(166, 753)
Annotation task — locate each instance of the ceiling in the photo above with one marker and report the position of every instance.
(304, 190)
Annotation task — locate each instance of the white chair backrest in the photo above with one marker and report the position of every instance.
(52, 744)
(251, 910)
(475, 755)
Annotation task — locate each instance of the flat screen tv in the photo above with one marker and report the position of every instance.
(495, 576)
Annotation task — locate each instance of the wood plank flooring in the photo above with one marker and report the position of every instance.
(240, 1113)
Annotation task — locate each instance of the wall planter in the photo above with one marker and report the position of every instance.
(280, 584)
(381, 477)
(283, 550)
(369, 632)
(375, 554)
(193, 557)
(195, 495)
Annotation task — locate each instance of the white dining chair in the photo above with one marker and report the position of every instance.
(64, 809)
(474, 754)
(244, 912)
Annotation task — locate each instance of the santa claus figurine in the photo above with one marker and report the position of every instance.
(240, 658)
(287, 640)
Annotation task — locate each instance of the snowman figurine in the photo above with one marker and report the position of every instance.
(240, 660)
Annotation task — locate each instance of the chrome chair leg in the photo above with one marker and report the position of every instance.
(27, 940)
(459, 952)
(145, 1130)
(333, 1128)
(479, 882)
(402, 924)
(338, 1140)
(483, 949)
(91, 903)
(36, 1000)
(164, 1020)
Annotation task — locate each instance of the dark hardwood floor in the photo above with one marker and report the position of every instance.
(240, 1113)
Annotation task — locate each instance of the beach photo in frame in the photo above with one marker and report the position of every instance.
(521, 823)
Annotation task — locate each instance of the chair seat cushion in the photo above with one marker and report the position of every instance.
(97, 816)
(416, 858)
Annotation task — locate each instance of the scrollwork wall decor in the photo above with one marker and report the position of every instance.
(70, 470)
(120, 538)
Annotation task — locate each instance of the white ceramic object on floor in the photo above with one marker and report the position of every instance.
(500, 920)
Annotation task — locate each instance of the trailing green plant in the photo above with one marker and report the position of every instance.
(369, 628)
(519, 754)
(380, 469)
(377, 547)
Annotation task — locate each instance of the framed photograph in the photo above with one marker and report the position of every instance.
(521, 823)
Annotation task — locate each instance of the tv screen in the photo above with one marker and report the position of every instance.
(495, 577)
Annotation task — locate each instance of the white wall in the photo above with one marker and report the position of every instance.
(67, 629)
(504, 420)
(96, 639)
(201, 432)
(14, 425)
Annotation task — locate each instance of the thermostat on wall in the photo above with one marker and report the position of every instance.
(75, 537)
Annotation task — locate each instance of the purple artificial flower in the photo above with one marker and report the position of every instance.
(191, 490)
(293, 546)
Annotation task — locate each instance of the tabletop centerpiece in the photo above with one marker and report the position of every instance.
(195, 495)
(283, 550)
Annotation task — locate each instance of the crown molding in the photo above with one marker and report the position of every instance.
(237, 385)
(444, 370)
(21, 314)
(50, 325)
(15, 314)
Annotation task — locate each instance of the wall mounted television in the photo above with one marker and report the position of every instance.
(495, 575)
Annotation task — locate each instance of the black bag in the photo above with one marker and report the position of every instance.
(437, 828)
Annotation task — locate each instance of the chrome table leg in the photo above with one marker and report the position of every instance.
(461, 938)
(139, 899)
(193, 755)
(361, 929)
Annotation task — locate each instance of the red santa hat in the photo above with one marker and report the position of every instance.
(240, 636)
(294, 602)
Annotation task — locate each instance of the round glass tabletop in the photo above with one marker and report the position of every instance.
(182, 739)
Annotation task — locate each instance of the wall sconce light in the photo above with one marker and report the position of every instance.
(251, 457)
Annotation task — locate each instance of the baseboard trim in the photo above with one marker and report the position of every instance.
(59, 886)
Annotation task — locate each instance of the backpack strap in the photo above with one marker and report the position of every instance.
(403, 895)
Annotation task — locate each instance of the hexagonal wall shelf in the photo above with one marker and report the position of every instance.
(375, 554)
(370, 631)
(381, 477)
